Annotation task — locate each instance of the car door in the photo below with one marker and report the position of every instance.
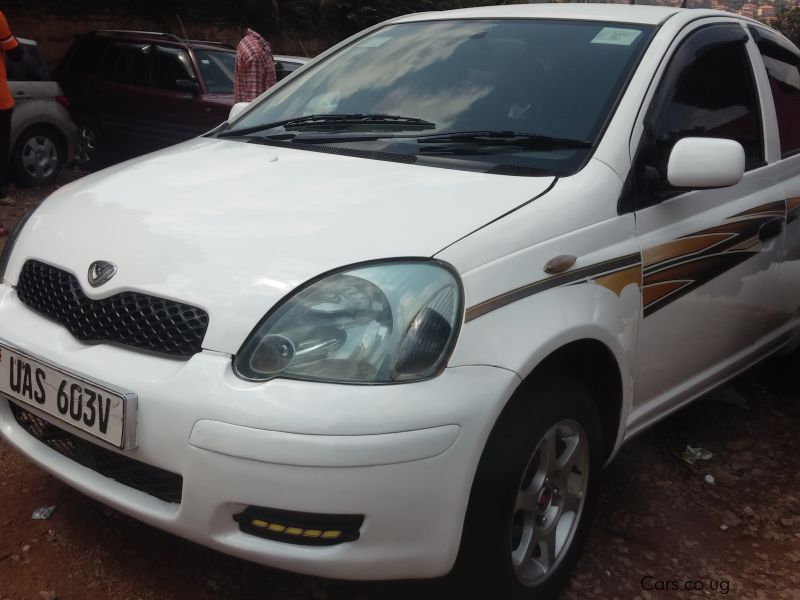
(711, 258)
(781, 64)
(124, 81)
(176, 112)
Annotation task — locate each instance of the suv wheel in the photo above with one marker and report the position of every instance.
(38, 156)
(534, 494)
(90, 144)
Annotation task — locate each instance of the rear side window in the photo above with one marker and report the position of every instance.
(31, 68)
(86, 57)
(783, 67)
(128, 64)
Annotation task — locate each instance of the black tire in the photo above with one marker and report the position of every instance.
(90, 150)
(494, 525)
(38, 156)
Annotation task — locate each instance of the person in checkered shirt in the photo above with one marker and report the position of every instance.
(255, 69)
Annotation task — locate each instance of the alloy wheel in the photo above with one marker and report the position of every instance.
(549, 502)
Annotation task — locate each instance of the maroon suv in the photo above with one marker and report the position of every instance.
(142, 90)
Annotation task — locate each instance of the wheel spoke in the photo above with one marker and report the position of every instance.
(572, 502)
(572, 452)
(547, 546)
(527, 545)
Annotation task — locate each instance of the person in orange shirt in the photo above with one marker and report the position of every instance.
(10, 46)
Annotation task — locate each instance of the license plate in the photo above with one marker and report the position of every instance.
(99, 411)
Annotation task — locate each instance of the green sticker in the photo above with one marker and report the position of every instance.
(616, 36)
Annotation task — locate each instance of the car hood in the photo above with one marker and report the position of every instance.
(233, 227)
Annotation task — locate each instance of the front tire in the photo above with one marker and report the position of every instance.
(534, 494)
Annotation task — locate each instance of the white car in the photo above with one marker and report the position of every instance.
(392, 319)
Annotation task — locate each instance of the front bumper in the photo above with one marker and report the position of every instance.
(404, 456)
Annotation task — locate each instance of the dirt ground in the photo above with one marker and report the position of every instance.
(662, 531)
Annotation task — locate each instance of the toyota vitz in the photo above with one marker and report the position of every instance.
(392, 318)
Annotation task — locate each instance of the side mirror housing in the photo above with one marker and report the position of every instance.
(188, 86)
(704, 163)
(237, 109)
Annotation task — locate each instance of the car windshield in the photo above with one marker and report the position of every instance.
(493, 82)
(216, 68)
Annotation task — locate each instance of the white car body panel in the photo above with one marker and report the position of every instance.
(298, 225)
(237, 240)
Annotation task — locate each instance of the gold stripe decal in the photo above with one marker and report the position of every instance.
(676, 268)
(667, 271)
(616, 282)
(581, 275)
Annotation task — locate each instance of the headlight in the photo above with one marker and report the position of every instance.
(10, 241)
(372, 324)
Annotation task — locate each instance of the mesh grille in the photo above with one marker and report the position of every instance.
(128, 318)
(145, 478)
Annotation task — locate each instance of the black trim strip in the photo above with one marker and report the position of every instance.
(603, 268)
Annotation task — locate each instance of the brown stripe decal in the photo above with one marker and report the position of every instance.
(616, 282)
(668, 271)
(674, 269)
(580, 275)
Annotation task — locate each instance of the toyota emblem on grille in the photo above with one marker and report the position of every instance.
(100, 271)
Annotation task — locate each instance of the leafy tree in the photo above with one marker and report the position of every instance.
(788, 23)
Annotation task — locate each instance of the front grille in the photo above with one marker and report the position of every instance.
(140, 476)
(128, 318)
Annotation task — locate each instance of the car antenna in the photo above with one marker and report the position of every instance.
(183, 29)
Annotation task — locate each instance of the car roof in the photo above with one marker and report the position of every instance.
(620, 13)
(286, 57)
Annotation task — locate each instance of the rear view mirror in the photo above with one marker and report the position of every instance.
(237, 109)
(701, 163)
(188, 86)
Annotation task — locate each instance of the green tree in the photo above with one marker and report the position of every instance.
(788, 23)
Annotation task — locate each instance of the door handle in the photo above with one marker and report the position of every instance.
(770, 229)
(20, 95)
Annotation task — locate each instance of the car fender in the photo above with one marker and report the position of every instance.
(517, 313)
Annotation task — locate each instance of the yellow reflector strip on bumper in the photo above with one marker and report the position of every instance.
(331, 535)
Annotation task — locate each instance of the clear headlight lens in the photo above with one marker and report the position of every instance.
(10, 242)
(380, 323)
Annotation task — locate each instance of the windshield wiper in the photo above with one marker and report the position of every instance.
(530, 141)
(333, 120)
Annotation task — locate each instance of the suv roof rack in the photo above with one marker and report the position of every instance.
(150, 34)
(208, 43)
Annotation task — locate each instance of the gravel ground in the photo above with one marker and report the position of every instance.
(661, 530)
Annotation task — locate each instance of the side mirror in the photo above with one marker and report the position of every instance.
(236, 110)
(188, 86)
(701, 163)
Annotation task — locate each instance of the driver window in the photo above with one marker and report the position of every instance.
(711, 95)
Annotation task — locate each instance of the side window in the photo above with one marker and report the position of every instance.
(128, 64)
(86, 57)
(708, 90)
(31, 68)
(170, 65)
(783, 68)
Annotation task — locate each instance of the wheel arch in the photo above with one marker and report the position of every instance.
(596, 368)
(59, 135)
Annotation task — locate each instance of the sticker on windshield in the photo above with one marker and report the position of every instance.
(616, 36)
(373, 42)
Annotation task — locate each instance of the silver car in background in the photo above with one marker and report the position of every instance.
(43, 135)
